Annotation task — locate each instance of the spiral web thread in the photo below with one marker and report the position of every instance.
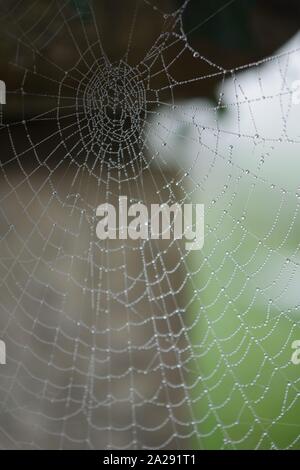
(140, 344)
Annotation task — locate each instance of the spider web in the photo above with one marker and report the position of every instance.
(141, 344)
